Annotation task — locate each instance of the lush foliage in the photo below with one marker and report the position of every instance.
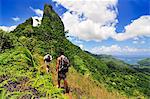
(125, 78)
(20, 75)
(144, 62)
(6, 42)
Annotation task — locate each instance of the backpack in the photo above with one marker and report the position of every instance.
(48, 58)
(64, 64)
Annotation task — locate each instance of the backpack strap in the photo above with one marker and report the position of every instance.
(60, 63)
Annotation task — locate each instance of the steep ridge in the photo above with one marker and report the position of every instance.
(87, 77)
(81, 86)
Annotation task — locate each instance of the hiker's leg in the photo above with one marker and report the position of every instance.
(66, 86)
(59, 79)
(65, 83)
(47, 66)
(59, 83)
(47, 69)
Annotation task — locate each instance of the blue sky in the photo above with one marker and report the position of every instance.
(123, 17)
(131, 10)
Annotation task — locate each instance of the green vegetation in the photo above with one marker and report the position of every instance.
(6, 41)
(121, 76)
(20, 74)
(144, 62)
(143, 66)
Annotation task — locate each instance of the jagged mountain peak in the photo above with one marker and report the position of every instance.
(51, 25)
(51, 18)
(47, 9)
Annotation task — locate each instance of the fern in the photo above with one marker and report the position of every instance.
(2, 93)
(29, 56)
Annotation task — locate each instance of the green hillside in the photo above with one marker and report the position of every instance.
(109, 59)
(21, 55)
(144, 62)
(143, 66)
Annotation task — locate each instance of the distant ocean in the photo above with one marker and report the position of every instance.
(131, 59)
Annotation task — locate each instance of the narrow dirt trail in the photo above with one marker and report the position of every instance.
(81, 86)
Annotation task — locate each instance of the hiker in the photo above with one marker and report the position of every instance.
(62, 68)
(47, 60)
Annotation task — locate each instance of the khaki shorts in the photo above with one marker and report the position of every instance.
(47, 63)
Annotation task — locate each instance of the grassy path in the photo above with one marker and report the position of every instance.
(81, 86)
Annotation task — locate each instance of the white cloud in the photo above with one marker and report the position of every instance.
(36, 21)
(135, 42)
(96, 20)
(142, 42)
(139, 27)
(78, 41)
(138, 42)
(117, 50)
(135, 38)
(38, 12)
(8, 28)
(70, 38)
(81, 46)
(16, 19)
(90, 19)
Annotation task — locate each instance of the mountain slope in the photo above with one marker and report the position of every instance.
(23, 60)
(89, 89)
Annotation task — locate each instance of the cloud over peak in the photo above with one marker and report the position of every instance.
(38, 12)
(37, 19)
(90, 19)
(96, 20)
